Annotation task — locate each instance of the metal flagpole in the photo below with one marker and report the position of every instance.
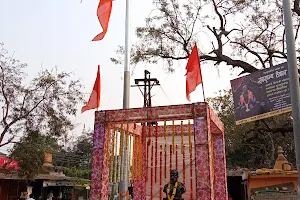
(294, 82)
(126, 96)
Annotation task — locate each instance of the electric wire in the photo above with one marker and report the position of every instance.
(170, 101)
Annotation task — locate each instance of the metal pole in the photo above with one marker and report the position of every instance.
(126, 91)
(126, 96)
(294, 82)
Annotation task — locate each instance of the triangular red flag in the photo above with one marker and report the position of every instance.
(94, 101)
(103, 13)
(193, 72)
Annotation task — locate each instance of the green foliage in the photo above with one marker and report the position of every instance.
(29, 153)
(253, 145)
(73, 172)
(45, 103)
(81, 181)
(84, 145)
(79, 156)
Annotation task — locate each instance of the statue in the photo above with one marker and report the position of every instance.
(174, 189)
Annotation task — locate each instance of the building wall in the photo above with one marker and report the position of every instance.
(4, 184)
(275, 196)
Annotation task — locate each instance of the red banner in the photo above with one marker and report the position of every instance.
(8, 164)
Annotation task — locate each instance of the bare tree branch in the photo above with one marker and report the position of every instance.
(252, 52)
(6, 102)
(9, 141)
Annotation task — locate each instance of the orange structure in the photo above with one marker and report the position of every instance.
(281, 178)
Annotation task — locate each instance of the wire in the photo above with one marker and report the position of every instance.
(170, 101)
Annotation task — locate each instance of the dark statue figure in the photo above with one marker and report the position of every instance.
(174, 189)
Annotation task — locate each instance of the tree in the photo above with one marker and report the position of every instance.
(84, 145)
(252, 145)
(256, 38)
(46, 103)
(78, 157)
(248, 35)
(76, 161)
(29, 152)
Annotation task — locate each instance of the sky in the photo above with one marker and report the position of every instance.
(45, 34)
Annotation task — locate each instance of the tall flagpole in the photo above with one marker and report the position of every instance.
(294, 82)
(126, 96)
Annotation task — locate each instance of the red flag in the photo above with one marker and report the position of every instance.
(103, 13)
(94, 101)
(193, 72)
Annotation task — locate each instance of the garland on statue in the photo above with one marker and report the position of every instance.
(174, 191)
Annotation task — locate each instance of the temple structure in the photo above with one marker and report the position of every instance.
(189, 138)
(277, 183)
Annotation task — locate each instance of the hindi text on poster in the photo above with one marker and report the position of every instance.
(262, 94)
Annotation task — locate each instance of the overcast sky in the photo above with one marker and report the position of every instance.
(52, 33)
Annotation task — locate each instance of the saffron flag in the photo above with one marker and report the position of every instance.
(193, 72)
(94, 101)
(103, 13)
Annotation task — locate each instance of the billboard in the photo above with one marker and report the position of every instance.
(262, 94)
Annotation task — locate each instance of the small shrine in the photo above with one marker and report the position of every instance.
(173, 152)
(280, 182)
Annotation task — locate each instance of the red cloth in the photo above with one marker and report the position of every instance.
(103, 13)
(94, 101)
(10, 164)
(193, 74)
